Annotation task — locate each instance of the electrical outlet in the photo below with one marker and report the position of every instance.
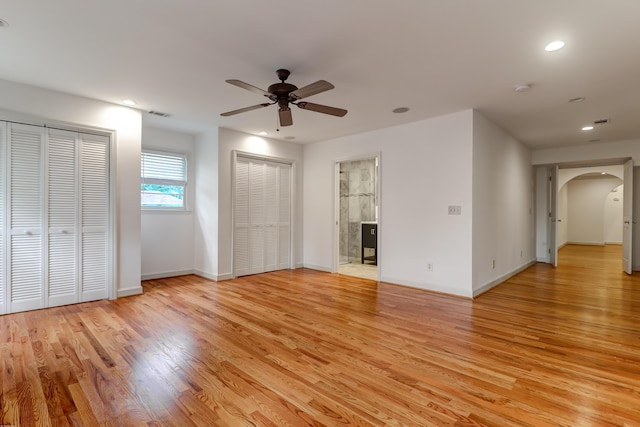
(455, 210)
(429, 266)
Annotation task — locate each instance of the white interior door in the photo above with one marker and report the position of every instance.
(25, 217)
(62, 263)
(3, 191)
(627, 218)
(94, 217)
(553, 215)
(55, 213)
(262, 216)
(284, 216)
(257, 216)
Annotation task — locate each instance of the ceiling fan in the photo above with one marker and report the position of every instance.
(284, 94)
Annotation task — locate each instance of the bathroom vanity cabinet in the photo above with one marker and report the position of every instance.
(369, 247)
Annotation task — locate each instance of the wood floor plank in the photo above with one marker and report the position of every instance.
(549, 347)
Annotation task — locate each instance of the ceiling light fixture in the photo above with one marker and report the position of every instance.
(263, 133)
(587, 128)
(129, 102)
(400, 110)
(555, 45)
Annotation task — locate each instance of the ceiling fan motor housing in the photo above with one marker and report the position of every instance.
(281, 90)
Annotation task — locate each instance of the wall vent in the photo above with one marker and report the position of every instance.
(159, 114)
(601, 122)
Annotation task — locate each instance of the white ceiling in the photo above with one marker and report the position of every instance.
(434, 56)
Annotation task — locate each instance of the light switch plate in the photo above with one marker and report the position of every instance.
(455, 210)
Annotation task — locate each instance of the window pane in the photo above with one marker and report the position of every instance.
(167, 196)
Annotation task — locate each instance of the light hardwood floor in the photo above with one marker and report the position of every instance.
(550, 347)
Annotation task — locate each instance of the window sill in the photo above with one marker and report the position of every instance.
(156, 211)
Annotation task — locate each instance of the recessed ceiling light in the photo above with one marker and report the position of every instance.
(578, 99)
(587, 128)
(3, 23)
(129, 102)
(603, 173)
(555, 45)
(400, 110)
(263, 133)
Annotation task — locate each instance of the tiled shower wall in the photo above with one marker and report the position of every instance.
(357, 204)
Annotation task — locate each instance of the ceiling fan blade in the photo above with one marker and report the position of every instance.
(312, 89)
(242, 110)
(249, 87)
(285, 117)
(322, 109)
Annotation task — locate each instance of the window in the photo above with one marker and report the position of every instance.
(163, 180)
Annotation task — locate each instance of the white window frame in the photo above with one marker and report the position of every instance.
(159, 181)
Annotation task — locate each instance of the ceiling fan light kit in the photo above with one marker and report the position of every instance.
(284, 94)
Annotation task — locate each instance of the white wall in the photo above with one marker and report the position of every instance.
(613, 216)
(424, 167)
(205, 239)
(586, 209)
(55, 108)
(229, 141)
(503, 233)
(167, 236)
(588, 153)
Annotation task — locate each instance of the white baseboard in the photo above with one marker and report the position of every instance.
(136, 290)
(586, 243)
(425, 286)
(165, 274)
(317, 267)
(502, 278)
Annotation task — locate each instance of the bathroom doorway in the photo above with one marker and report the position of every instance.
(357, 217)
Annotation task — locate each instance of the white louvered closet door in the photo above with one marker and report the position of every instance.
(241, 219)
(94, 227)
(284, 216)
(25, 218)
(271, 217)
(256, 217)
(3, 191)
(262, 211)
(54, 217)
(62, 254)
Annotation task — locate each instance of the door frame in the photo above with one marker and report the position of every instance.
(112, 226)
(336, 208)
(292, 201)
(545, 212)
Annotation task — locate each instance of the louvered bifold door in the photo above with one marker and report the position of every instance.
(94, 215)
(62, 244)
(256, 216)
(284, 216)
(26, 286)
(3, 191)
(271, 217)
(241, 219)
